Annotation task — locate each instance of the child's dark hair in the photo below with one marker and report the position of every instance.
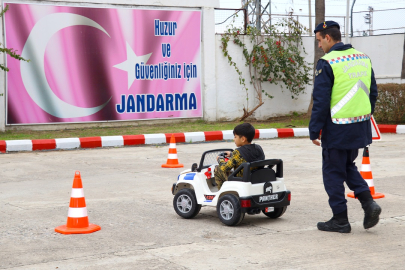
(246, 130)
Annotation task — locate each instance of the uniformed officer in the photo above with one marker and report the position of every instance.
(345, 92)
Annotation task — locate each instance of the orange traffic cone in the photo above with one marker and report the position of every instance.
(77, 221)
(172, 161)
(368, 176)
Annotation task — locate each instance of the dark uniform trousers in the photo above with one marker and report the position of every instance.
(337, 167)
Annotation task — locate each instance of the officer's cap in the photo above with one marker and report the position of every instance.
(326, 25)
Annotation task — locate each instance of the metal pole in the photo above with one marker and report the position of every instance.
(351, 17)
(258, 15)
(246, 17)
(270, 11)
(310, 18)
(246, 7)
(347, 22)
(371, 20)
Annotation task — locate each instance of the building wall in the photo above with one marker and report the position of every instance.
(232, 98)
(386, 53)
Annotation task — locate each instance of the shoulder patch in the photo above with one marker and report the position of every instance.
(318, 72)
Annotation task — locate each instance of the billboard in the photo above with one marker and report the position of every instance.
(102, 64)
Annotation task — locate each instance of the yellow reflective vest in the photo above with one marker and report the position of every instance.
(350, 102)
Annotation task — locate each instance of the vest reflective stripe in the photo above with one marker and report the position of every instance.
(352, 71)
(348, 96)
(351, 120)
(346, 58)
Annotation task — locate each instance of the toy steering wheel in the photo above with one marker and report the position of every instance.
(224, 156)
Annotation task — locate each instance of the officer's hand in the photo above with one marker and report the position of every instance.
(228, 153)
(316, 142)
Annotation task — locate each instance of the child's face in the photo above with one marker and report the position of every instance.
(239, 140)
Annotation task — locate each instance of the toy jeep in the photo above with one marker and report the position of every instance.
(259, 190)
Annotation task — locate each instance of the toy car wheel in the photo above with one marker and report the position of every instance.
(278, 212)
(229, 210)
(185, 203)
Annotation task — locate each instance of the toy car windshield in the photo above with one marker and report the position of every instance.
(209, 158)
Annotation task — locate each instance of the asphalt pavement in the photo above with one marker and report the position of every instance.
(128, 194)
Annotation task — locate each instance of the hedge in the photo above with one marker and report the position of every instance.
(390, 105)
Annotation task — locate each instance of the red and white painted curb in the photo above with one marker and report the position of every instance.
(186, 137)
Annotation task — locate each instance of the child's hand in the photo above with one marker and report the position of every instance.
(224, 155)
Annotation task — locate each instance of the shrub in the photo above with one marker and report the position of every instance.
(390, 105)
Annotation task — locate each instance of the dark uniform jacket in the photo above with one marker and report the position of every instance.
(337, 136)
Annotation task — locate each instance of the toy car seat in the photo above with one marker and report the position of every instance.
(263, 174)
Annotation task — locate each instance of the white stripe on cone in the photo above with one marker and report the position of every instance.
(365, 168)
(172, 145)
(370, 182)
(77, 212)
(172, 156)
(77, 193)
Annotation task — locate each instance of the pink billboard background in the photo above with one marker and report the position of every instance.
(82, 62)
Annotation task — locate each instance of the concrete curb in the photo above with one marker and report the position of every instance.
(161, 138)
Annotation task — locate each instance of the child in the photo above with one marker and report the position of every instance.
(247, 152)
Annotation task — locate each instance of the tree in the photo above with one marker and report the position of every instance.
(13, 53)
(318, 53)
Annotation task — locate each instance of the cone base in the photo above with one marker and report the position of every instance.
(375, 196)
(172, 165)
(65, 230)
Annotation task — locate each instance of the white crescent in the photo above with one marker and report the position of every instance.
(33, 73)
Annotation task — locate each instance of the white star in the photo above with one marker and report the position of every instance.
(129, 64)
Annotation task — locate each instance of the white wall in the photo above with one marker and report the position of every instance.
(386, 53)
(231, 97)
(208, 65)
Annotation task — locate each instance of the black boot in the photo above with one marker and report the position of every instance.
(338, 223)
(371, 209)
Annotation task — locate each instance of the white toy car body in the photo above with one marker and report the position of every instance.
(260, 190)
